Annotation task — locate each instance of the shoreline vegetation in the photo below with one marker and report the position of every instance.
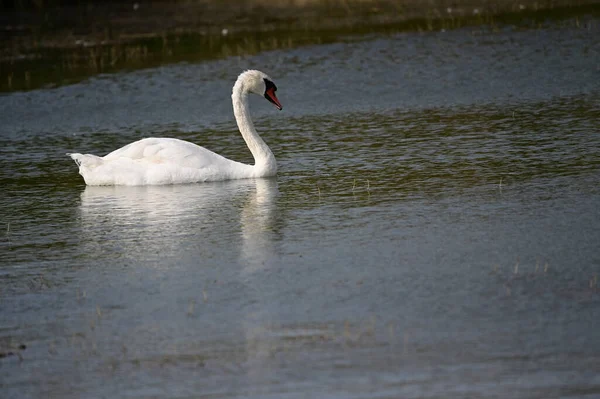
(55, 42)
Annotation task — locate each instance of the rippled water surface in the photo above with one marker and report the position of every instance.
(433, 232)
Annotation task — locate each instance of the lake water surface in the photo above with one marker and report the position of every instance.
(434, 230)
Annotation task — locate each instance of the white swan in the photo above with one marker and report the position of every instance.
(153, 161)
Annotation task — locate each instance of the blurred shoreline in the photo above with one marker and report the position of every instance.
(61, 42)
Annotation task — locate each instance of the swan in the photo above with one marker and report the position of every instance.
(154, 161)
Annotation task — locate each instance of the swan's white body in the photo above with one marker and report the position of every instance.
(153, 161)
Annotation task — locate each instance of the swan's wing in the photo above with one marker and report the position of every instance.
(168, 151)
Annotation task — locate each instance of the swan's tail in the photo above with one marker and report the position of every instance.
(86, 160)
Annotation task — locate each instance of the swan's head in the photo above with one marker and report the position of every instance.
(260, 83)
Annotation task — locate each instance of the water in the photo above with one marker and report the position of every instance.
(433, 230)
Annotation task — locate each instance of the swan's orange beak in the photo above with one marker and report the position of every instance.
(270, 95)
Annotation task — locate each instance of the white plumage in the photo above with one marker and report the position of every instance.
(153, 161)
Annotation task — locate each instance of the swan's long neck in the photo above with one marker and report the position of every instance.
(263, 157)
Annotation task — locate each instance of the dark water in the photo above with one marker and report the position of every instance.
(433, 231)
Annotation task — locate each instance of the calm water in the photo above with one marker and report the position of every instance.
(434, 230)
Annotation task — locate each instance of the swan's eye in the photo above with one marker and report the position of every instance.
(269, 85)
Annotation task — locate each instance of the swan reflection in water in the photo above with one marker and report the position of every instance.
(145, 223)
(204, 229)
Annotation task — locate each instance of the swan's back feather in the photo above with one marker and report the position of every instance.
(159, 161)
(167, 150)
